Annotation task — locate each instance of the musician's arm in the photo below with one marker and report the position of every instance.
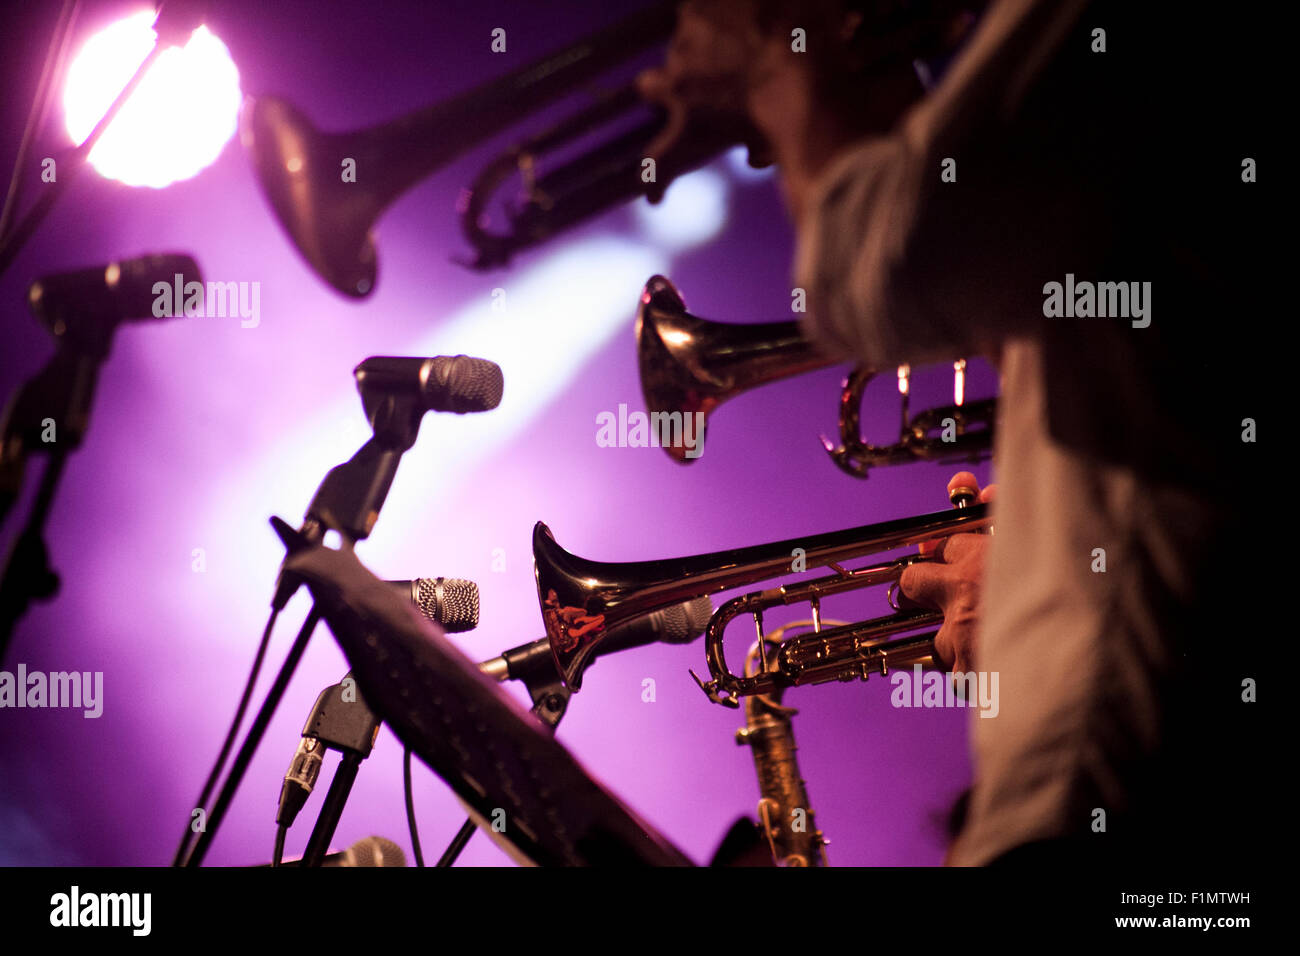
(888, 252)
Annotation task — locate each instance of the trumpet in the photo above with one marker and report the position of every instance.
(331, 220)
(692, 365)
(582, 600)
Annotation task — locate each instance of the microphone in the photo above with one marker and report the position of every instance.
(450, 602)
(372, 851)
(679, 624)
(396, 393)
(445, 383)
(119, 292)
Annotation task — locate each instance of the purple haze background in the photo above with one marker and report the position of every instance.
(201, 430)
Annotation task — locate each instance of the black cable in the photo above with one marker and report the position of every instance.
(410, 809)
(457, 843)
(53, 66)
(280, 831)
(70, 164)
(230, 737)
(254, 737)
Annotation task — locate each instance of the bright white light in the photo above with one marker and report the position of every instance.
(738, 163)
(559, 314)
(178, 119)
(692, 212)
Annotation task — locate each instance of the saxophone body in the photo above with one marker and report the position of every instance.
(784, 814)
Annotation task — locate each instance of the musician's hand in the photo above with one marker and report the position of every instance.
(951, 584)
(736, 76)
(704, 83)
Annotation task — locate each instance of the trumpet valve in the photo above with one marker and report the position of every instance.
(963, 490)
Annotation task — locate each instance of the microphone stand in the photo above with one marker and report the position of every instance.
(348, 501)
(59, 396)
(351, 729)
(550, 703)
(255, 734)
(27, 574)
(549, 695)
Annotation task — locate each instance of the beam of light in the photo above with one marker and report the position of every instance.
(693, 211)
(557, 315)
(180, 116)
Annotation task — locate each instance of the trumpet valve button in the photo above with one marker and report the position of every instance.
(963, 490)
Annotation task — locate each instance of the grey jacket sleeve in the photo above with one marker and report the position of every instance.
(901, 266)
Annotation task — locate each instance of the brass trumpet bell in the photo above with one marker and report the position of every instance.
(329, 220)
(692, 365)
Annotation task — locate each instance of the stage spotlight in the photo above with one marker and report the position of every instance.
(177, 121)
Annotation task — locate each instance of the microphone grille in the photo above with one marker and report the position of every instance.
(466, 384)
(683, 623)
(376, 851)
(451, 602)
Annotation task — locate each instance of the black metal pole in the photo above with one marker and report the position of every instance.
(27, 574)
(254, 738)
(332, 810)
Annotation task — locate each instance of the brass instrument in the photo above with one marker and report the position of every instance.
(582, 600)
(785, 815)
(599, 179)
(613, 171)
(692, 365)
(330, 220)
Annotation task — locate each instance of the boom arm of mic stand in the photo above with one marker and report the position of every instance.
(465, 728)
(550, 703)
